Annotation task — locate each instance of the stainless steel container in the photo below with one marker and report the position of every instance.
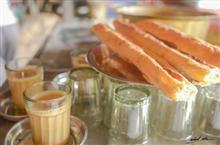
(192, 21)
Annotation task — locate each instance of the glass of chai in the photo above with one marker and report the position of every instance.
(22, 73)
(48, 108)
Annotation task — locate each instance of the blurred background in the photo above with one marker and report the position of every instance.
(52, 29)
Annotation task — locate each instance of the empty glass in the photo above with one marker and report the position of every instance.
(110, 86)
(209, 120)
(130, 115)
(174, 119)
(198, 108)
(86, 91)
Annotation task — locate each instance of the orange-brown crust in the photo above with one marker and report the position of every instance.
(200, 49)
(130, 72)
(121, 24)
(147, 65)
(185, 64)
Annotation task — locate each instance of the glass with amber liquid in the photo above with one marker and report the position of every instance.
(22, 73)
(48, 108)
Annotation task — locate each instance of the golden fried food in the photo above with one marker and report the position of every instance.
(183, 63)
(199, 49)
(151, 70)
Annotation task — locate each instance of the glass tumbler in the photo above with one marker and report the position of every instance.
(86, 91)
(174, 119)
(110, 86)
(209, 118)
(48, 107)
(130, 115)
(22, 73)
(200, 97)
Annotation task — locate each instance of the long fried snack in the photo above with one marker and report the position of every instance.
(151, 70)
(128, 71)
(121, 24)
(185, 64)
(198, 48)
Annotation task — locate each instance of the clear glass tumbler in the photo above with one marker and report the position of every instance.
(110, 86)
(174, 119)
(200, 97)
(209, 118)
(22, 73)
(130, 115)
(86, 91)
(48, 106)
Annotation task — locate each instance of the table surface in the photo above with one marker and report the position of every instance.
(99, 135)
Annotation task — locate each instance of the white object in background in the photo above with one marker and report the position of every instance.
(68, 9)
(97, 9)
(2, 71)
(6, 15)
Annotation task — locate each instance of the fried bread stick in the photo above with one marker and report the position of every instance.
(195, 47)
(151, 70)
(183, 63)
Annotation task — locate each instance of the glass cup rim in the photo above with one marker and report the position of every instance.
(126, 86)
(46, 101)
(7, 67)
(81, 69)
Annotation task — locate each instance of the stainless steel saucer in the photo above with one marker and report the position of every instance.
(20, 133)
(62, 78)
(7, 108)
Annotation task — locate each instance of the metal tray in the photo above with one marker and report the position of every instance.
(20, 133)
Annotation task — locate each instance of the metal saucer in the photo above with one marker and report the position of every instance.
(7, 108)
(62, 78)
(20, 133)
